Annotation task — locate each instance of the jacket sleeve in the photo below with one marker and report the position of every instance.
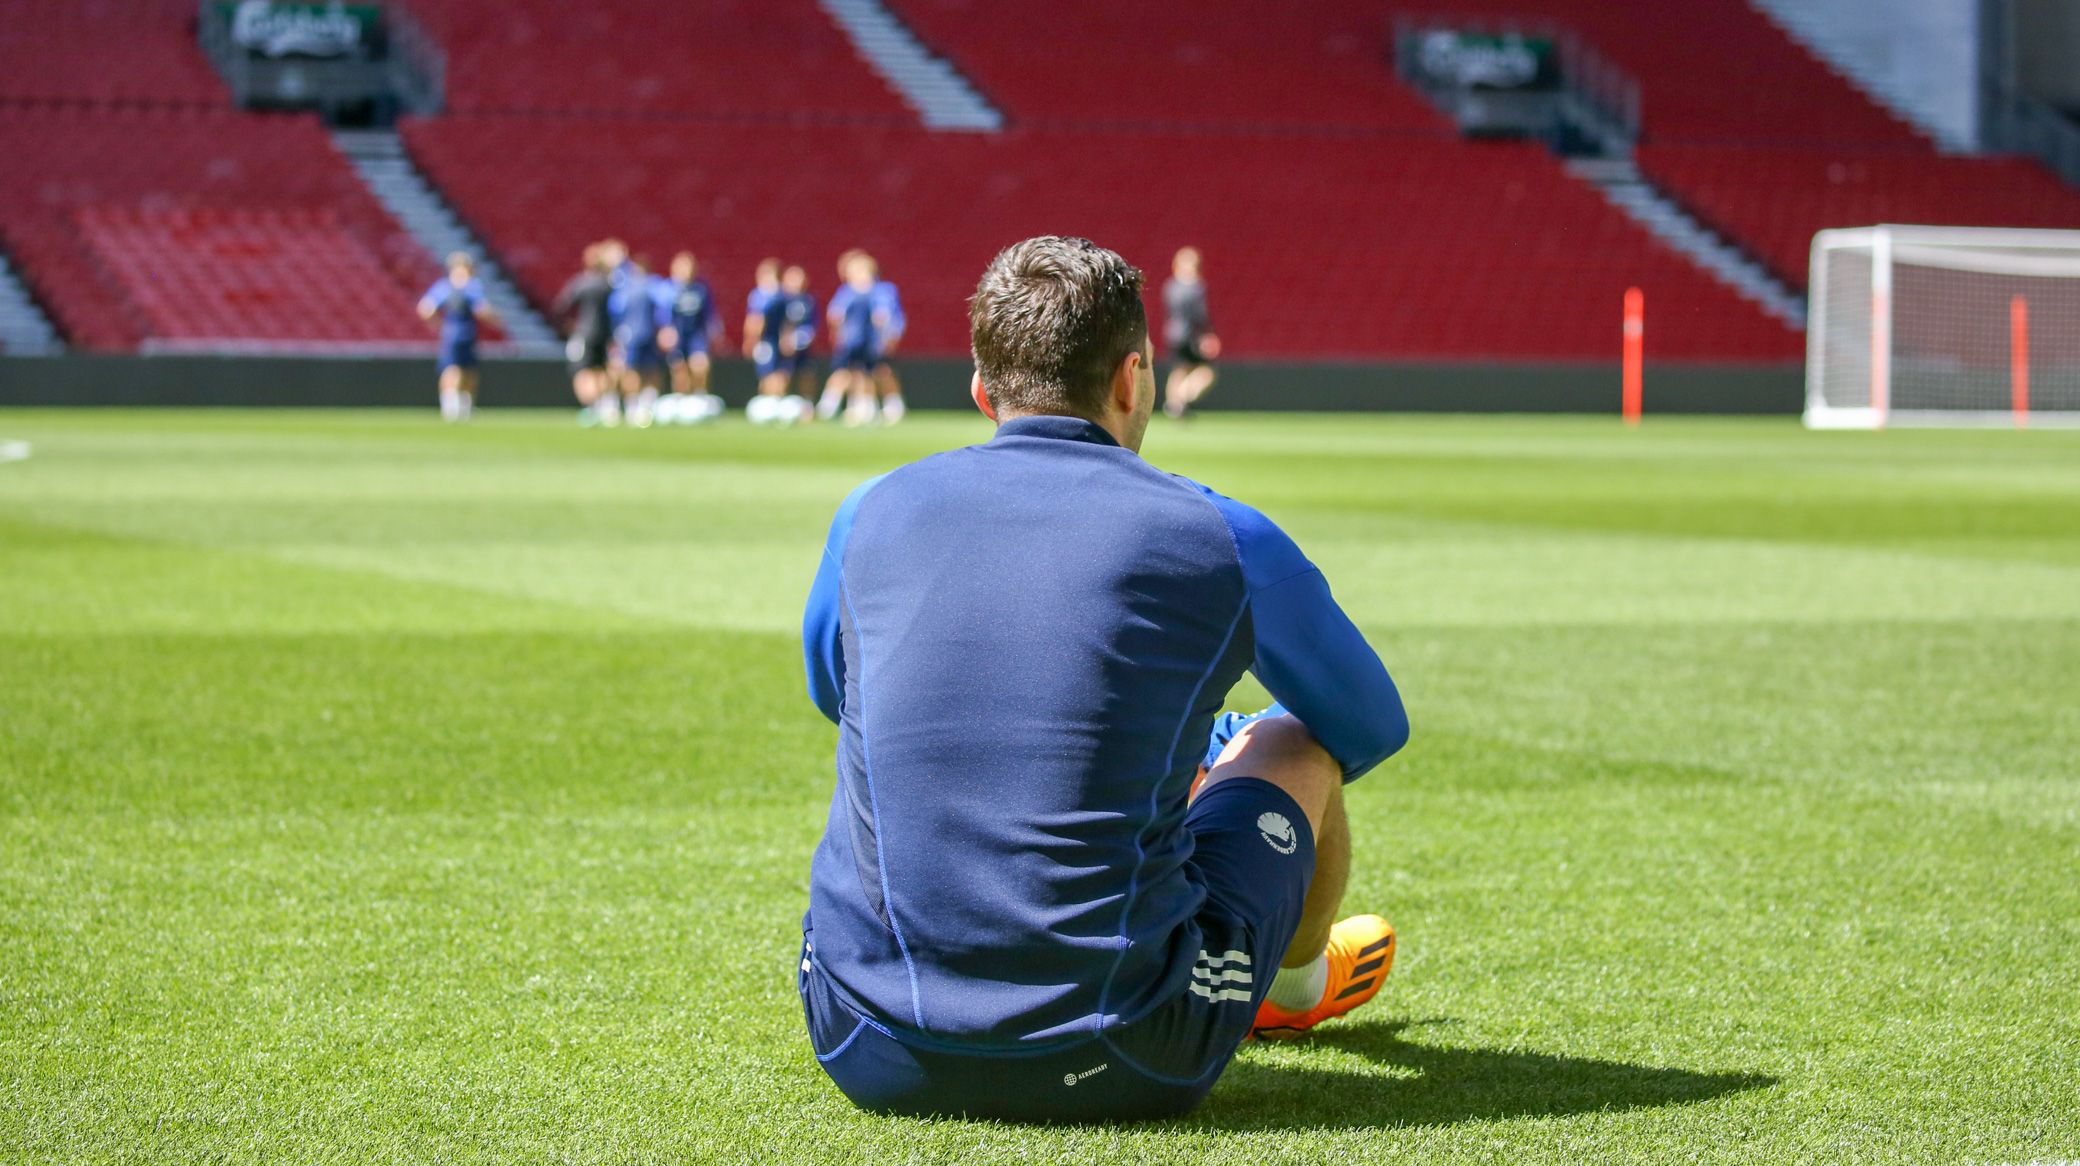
(1309, 654)
(822, 654)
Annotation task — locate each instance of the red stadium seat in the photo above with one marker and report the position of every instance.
(1708, 69)
(766, 59)
(203, 277)
(1753, 133)
(1232, 64)
(1773, 199)
(104, 52)
(131, 224)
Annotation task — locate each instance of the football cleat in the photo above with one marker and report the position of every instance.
(1361, 953)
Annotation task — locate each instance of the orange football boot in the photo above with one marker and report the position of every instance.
(1361, 953)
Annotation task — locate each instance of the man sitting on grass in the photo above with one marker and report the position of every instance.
(1056, 882)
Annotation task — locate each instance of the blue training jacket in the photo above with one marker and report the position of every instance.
(1024, 645)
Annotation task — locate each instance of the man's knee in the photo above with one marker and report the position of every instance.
(1282, 751)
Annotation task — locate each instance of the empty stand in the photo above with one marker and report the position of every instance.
(74, 168)
(1774, 199)
(1708, 69)
(765, 59)
(104, 52)
(1214, 63)
(1366, 248)
(1341, 215)
(1768, 145)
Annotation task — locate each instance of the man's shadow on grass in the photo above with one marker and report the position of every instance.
(1435, 1084)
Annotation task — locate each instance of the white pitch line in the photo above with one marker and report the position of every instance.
(14, 451)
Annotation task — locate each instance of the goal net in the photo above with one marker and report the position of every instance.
(1943, 326)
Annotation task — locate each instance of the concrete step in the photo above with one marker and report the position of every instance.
(1918, 60)
(24, 329)
(1624, 187)
(942, 97)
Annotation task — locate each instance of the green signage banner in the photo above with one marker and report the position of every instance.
(1466, 60)
(267, 29)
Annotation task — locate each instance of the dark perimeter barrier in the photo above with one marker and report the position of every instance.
(928, 383)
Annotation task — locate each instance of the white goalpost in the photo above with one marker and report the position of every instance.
(1943, 326)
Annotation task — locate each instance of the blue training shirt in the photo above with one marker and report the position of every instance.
(774, 310)
(759, 301)
(1024, 645)
(854, 312)
(646, 307)
(457, 307)
(801, 319)
(693, 312)
(889, 320)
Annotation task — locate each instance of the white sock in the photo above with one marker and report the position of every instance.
(1299, 989)
(451, 405)
(468, 405)
(892, 408)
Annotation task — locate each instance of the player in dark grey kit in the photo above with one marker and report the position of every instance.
(1056, 881)
(584, 301)
(1188, 330)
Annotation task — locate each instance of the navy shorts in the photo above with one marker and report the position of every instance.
(586, 353)
(643, 355)
(690, 348)
(1253, 852)
(865, 357)
(457, 354)
(767, 359)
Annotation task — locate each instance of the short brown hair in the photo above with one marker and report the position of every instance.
(1051, 320)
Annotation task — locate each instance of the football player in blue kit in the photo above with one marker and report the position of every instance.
(763, 311)
(457, 301)
(645, 316)
(696, 325)
(888, 314)
(789, 316)
(1056, 882)
(801, 322)
(864, 316)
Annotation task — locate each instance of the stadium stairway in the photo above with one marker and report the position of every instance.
(1627, 189)
(1774, 198)
(1877, 50)
(380, 159)
(943, 98)
(24, 329)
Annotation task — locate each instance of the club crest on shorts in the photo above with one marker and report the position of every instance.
(1278, 832)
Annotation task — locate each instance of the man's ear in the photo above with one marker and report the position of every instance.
(1124, 388)
(981, 397)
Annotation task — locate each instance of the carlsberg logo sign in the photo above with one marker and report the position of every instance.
(1471, 60)
(302, 30)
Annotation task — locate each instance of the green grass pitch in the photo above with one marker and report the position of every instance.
(373, 791)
